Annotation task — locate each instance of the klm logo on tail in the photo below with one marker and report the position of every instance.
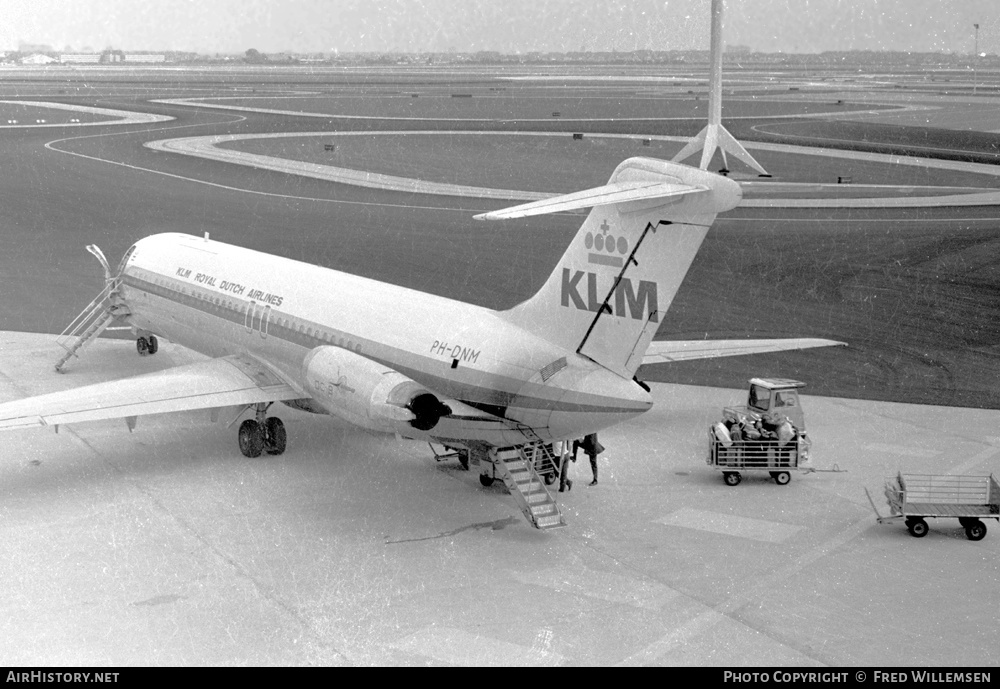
(639, 302)
(605, 249)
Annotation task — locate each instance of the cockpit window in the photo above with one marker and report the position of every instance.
(760, 398)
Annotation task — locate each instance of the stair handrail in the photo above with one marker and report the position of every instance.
(537, 441)
(81, 322)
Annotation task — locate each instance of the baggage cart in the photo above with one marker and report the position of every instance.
(914, 498)
(737, 457)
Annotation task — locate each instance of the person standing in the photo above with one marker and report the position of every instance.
(561, 450)
(592, 448)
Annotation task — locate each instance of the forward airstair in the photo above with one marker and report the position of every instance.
(95, 318)
(517, 466)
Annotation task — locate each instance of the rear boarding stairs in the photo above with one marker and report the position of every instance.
(525, 470)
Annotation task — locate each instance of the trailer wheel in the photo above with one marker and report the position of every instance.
(918, 528)
(975, 531)
(732, 478)
(782, 478)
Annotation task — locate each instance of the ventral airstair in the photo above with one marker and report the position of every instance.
(519, 467)
(95, 318)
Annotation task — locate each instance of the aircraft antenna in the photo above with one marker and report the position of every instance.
(714, 135)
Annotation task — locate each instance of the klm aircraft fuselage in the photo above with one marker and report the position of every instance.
(220, 299)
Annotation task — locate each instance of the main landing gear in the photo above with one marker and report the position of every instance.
(147, 345)
(262, 434)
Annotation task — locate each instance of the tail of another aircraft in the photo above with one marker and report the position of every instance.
(610, 290)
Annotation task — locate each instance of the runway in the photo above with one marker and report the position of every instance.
(167, 547)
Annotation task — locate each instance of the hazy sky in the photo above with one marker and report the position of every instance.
(233, 26)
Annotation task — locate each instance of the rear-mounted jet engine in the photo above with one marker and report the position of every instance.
(369, 394)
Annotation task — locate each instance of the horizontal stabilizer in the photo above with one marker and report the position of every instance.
(617, 192)
(661, 351)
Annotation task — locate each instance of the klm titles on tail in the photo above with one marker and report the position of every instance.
(641, 303)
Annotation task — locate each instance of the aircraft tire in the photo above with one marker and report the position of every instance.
(152, 344)
(918, 528)
(142, 346)
(975, 531)
(275, 436)
(251, 438)
(487, 481)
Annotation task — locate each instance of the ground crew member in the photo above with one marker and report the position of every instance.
(592, 447)
(561, 450)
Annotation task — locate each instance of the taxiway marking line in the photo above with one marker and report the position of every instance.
(606, 586)
(458, 647)
(730, 525)
(712, 616)
(987, 454)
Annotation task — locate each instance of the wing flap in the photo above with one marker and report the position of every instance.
(228, 381)
(618, 192)
(661, 351)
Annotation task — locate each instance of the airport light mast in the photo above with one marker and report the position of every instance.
(975, 60)
(714, 135)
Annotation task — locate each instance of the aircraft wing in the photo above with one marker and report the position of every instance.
(660, 351)
(229, 381)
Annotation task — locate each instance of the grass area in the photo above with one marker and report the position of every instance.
(953, 144)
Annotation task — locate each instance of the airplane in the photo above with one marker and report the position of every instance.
(500, 386)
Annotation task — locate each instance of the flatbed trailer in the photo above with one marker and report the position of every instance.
(916, 497)
(736, 457)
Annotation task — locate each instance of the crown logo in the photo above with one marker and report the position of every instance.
(605, 248)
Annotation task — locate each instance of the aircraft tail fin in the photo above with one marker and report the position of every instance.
(612, 286)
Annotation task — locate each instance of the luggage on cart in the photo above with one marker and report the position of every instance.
(738, 456)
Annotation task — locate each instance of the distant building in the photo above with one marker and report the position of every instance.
(38, 59)
(145, 57)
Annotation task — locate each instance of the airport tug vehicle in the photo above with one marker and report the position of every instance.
(916, 497)
(767, 434)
